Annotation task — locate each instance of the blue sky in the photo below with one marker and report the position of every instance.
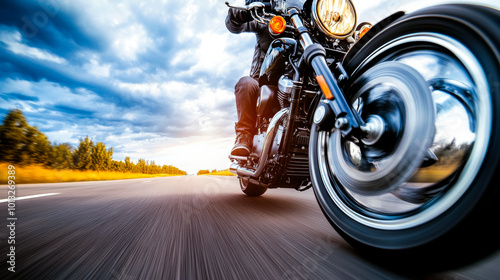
(152, 79)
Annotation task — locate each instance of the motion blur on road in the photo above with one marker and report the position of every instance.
(191, 227)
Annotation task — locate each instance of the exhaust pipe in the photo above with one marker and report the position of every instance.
(268, 141)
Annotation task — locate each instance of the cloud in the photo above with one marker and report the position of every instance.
(13, 44)
(147, 78)
(17, 96)
(48, 25)
(153, 79)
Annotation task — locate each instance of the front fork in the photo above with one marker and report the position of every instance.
(346, 119)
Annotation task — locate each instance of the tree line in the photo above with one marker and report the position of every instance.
(207, 171)
(23, 144)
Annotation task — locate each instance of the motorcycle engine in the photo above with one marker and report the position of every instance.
(285, 86)
(271, 100)
(258, 143)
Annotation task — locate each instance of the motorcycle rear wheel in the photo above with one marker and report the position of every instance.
(251, 189)
(455, 223)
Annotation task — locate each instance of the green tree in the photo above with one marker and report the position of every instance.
(37, 148)
(129, 166)
(82, 157)
(13, 137)
(24, 144)
(62, 157)
(201, 172)
(109, 159)
(141, 166)
(118, 166)
(101, 159)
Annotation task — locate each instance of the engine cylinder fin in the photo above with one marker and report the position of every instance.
(283, 99)
(298, 166)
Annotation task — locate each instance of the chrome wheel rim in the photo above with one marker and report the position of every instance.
(467, 78)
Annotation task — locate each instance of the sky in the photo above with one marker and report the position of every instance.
(152, 79)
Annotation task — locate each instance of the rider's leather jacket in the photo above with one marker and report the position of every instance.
(241, 21)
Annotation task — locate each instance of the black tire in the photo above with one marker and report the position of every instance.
(251, 189)
(466, 230)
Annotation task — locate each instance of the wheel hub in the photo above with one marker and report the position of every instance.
(374, 128)
(396, 104)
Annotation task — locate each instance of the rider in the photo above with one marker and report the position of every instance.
(247, 88)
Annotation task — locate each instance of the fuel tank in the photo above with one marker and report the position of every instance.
(276, 59)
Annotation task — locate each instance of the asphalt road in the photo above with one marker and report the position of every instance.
(184, 228)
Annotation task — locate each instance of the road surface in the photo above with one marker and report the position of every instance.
(191, 227)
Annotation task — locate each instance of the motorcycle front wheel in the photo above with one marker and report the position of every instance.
(446, 213)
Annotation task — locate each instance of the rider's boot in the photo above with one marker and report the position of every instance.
(242, 145)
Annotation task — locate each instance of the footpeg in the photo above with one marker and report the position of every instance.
(239, 158)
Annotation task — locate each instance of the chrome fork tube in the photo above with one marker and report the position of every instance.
(305, 38)
(315, 57)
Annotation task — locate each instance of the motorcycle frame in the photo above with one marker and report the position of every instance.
(314, 56)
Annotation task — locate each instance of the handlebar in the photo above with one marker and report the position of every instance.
(251, 6)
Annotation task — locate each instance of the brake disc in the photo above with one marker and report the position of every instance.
(396, 103)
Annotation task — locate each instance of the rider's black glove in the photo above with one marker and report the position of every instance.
(239, 16)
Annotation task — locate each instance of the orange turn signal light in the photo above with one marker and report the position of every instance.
(363, 31)
(277, 25)
(324, 87)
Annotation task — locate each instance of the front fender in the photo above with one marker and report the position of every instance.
(381, 25)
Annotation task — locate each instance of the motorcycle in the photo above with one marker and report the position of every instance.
(393, 125)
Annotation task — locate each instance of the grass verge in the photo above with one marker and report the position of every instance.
(29, 174)
(221, 173)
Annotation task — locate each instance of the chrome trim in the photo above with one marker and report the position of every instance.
(268, 141)
(455, 136)
(322, 28)
(374, 128)
(285, 84)
(360, 28)
(231, 157)
(305, 38)
(254, 5)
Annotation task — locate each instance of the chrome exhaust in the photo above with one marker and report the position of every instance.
(268, 141)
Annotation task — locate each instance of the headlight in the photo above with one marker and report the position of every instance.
(336, 18)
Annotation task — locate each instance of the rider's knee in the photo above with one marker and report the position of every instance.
(246, 85)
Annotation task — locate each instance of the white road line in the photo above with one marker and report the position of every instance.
(29, 196)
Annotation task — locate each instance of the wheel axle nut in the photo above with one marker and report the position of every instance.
(342, 123)
(374, 129)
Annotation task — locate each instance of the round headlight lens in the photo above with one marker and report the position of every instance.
(336, 18)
